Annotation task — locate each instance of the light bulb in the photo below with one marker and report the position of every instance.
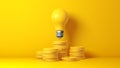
(59, 19)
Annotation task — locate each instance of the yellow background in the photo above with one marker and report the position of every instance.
(25, 26)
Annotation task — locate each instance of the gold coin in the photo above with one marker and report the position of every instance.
(59, 43)
(63, 54)
(80, 57)
(77, 50)
(69, 59)
(59, 46)
(50, 56)
(39, 57)
(77, 47)
(50, 50)
(50, 59)
(76, 54)
(80, 51)
(39, 54)
(48, 53)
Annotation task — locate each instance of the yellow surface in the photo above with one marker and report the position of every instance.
(88, 63)
(26, 26)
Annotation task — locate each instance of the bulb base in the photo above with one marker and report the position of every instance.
(59, 33)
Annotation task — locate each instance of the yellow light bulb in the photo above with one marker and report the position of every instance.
(59, 18)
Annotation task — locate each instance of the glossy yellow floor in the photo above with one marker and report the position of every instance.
(34, 63)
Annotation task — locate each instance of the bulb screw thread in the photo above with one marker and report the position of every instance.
(59, 33)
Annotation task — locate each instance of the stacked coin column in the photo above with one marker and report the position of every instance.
(50, 54)
(77, 52)
(62, 47)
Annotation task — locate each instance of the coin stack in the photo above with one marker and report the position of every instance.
(39, 54)
(77, 52)
(69, 58)
(62, 47)
(50, 54)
